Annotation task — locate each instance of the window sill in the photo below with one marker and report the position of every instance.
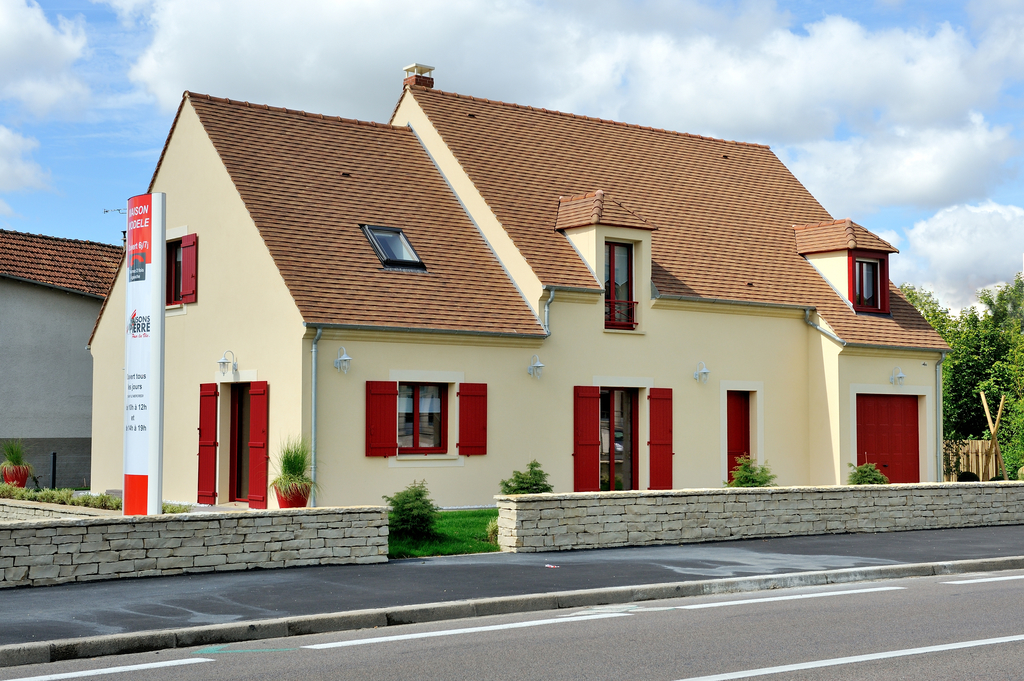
(426, 461)
(175, 310)
(628, 332)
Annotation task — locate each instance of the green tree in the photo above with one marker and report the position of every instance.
(986, 354)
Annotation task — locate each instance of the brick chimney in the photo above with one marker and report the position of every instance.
(419, 74)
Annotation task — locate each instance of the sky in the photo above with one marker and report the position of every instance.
(904, 116)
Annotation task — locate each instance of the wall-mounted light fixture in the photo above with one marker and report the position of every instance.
(702, 373)
(535, 368)
(897, 376)
(343, 362)
(224, 363)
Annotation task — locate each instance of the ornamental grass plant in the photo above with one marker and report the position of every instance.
(14, 456)
(296, 461)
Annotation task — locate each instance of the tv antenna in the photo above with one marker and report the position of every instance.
(122, 211)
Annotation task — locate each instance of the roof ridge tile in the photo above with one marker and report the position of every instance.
(588, 118)
(295, 112)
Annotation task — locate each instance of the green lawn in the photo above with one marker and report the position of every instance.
(458, 532)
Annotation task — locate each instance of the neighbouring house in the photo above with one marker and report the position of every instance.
(478, 284)
(51, 291)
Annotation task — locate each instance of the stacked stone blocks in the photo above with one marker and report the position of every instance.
(555, 522)
(53, 551)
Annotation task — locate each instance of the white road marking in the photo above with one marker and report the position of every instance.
(722, 604)
(115, 670)
(834, 662)
(468, 630)
(986, 579)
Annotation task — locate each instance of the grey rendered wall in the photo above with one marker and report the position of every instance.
(46, 377)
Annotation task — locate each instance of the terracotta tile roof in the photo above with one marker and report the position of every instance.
(84, 266)
(310, 181)
(725, 210)
(838, 235)
(595, 208)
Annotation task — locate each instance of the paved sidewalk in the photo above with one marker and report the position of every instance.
(131, 605)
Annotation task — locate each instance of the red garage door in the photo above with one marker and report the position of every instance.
(887, 435)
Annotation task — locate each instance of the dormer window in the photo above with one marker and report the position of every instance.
(869, 281)
(392, 247)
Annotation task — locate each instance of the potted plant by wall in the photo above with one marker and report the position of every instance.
(294, 484)
(13, 467)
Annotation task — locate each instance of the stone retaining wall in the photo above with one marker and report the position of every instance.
(557, 522)
(15, 509)
(53, 551)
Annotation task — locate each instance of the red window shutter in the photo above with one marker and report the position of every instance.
(472, 419)
(661, 438)
(189, 267)
(381, 418)
(259, 422)
(207, 493)
(586, 438)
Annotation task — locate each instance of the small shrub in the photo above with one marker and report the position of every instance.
(866, 474)
(749, 474)
(533, 481)
(492, 531)
(413, 513)
(171, 507)
(968, 476)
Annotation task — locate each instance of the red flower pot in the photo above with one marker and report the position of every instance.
(297, 499)
(16, 475)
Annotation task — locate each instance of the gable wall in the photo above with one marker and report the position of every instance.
(243, 306)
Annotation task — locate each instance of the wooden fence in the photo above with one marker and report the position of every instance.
(975, 456)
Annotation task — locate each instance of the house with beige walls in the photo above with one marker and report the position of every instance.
(477, 284)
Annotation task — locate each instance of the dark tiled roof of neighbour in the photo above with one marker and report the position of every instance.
(595, 208)
(83, 266)
(310, 181)
(725, 210)
(838, 235)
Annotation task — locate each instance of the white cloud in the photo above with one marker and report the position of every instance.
(924, 167)
(36, 57)
(16, 170)
(963, 248)
(868, 118)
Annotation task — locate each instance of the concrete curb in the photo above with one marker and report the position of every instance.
(216, 634)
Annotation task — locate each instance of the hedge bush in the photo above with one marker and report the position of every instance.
(533, 481)
(866, 474)
(413, 513)
(749, 474)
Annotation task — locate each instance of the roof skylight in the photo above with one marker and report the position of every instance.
(392, 247)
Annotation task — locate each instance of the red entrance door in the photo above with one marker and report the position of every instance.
(887, 435)
(738, 426)
(249, 456)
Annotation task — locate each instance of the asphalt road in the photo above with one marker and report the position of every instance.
(93, 608)
(915, 629)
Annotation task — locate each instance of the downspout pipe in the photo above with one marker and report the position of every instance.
(312, 428)
(547, 312)
(807, 318)
(938, 419)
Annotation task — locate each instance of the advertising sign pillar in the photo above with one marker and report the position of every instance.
(144, 355)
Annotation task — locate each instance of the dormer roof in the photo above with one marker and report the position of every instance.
(597, 208)
(838, 235)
